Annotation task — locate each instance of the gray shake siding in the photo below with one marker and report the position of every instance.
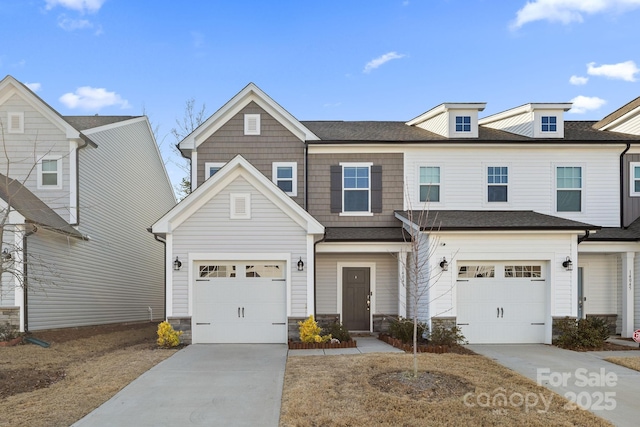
(320, 189)
(119, 273)
(274, 144)
(210, 230)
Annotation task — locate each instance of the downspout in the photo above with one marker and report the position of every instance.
(86, 142)
(622, 185)
(582, 238)
(25, 293)
(306, 175)
(164, 264)
(315, 275)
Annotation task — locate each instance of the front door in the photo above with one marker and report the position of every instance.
(356, 298)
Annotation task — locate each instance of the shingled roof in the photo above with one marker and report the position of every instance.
(442, 220)
(34, 210)
(364, 234)
(618, 113)
(89, 122)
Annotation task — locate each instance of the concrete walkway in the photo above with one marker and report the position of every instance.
(365, 345)
(608, 390)
(202, 385)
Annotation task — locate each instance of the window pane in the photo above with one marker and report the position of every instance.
(636, 172)
(286, 186)
(569, 177)
(497, 193)
(356, 201)
(213, 170)
(285, 172)
(471, 271)
(636, 186)
(569, 200)
(429, 175)
(429, 193)
(356, 177)
(49, 179)
(49, 166)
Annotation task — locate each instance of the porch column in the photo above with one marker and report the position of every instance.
(628, 274)
(402, 283)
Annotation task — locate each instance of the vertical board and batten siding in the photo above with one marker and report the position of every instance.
(274, 144)
(40, 138)
(210, 230)
(386, 274)
(631, 205)
(119, 273)
(466, 248)
(320, 189)
(521, 124)
(438, 124)
(636, 293)
(532, 182)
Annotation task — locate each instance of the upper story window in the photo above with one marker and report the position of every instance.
(634, 171)
(210, 168)
(463, 123)
(549, 124)
(497, 181)
(252, 124)
(569, 189)
(16, 122)
(285, 176)
(429, 183)
(356, 188)
(50, 173)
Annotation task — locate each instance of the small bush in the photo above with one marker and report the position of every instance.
(8, 332)
(310, 331)
(167, 337)
(582, 334)
(441, 335)
(402, 329)
(339, 332)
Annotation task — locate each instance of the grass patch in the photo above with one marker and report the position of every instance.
(366, 389)
(627, 362)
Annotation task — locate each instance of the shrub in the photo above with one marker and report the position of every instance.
(339, 332)
(402, 329)
(8, 332)
(310, 331)
(582, 334)
(441, 335)
(167, 337)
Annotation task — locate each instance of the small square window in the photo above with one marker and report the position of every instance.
(210, 168)
(285, 176)
(463, 123)
(50, 173)
(549, 124)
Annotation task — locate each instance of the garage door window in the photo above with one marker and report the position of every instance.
(532, 271)
(217, 270)
(267, 271)
(472, 271)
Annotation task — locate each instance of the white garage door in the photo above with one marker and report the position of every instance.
(240, 302)
(501, 302)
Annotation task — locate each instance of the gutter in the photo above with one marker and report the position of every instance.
(25, 279)
(306, 175)
(622, 185)
(315, 274)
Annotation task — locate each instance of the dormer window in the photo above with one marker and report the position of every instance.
(549, 124)
(463, 123)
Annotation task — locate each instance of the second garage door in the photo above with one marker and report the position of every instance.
(501, 302)
(240, 302)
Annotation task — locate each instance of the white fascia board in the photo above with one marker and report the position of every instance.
(362, 247)
(103, 128)
(444, 107)
(607, 247)
(620, 120)
(524, 109)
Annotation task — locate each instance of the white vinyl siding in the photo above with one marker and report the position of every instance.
(532, 182)
(15, 122)
(519, 124)
(438, 124)
(278, 234)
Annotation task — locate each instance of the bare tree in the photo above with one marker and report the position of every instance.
(191, 119)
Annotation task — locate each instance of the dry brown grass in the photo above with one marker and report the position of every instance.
(627, 362)
(338, 391)
(95, 368)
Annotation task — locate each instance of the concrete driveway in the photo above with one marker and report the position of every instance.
(202, 385)
(609, 391)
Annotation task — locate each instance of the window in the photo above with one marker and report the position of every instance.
(497, 180)
(216, 271)
(429, 184)
(240, 206)
(463, 123)
(569, 189)
(285, 176)
(16, 122)
(473, 271)
(268, 271)
(532, 271)
(355, 188)
(549, 124)
(252, 124)
(634, 187)
(210, 168)
(50, 173)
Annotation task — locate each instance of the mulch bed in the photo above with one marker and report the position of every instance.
(297, 345)
(432, 386)
(425, 348)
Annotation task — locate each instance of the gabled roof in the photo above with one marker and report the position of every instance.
(525, 109)
(457, 220)
(621, 114)
(238, 166)
(251, 93)
(89, 122)
(34, 210)
(478, 106)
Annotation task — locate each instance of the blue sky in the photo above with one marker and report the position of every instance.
(323, 59)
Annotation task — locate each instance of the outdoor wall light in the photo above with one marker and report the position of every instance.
(6, 255)
(300, 265)
(444, 265)
(177, 264)
(567, 264)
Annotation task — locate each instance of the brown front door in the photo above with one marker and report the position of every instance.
(355, 298)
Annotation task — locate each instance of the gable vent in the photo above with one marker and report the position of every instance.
(240, 206)
(16, 122)
(252, 124)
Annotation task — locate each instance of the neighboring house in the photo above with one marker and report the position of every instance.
(525, 222)
(78, 194)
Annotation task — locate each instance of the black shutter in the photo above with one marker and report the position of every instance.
(376, 189)
(336, 189)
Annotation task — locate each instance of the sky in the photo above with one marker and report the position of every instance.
(322, 59)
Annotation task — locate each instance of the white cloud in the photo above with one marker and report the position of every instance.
(582, 104)
(375, 63)
(567, 11)
(69, 24)
(623, 71)
(89, 98)
(33, 86)
(82, 6)
(577, 80)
